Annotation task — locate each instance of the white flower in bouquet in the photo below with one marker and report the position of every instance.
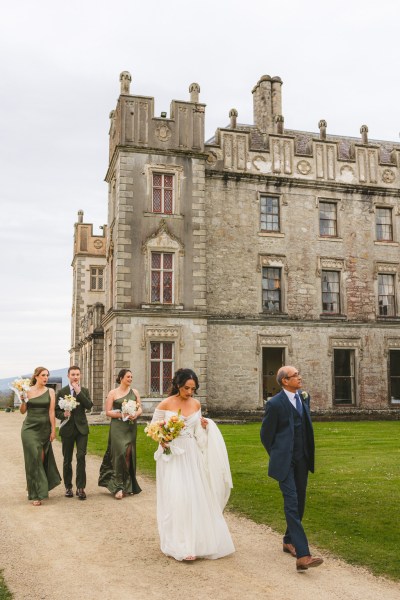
(68, 403)
(128, 408)
(21, 386)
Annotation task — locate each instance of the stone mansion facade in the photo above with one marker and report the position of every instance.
(259, 247)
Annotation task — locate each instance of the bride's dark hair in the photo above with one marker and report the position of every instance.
(180, 378)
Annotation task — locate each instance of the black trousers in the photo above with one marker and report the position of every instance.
(68, 444)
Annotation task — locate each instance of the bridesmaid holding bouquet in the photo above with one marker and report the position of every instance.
(38, 431)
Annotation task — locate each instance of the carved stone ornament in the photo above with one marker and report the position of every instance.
(163, 133)
(303, 167)
(274, 341)
(391, 344)
(98, 244)
(347, 343)
(346, 169)
(385, 269)
(388, 176)
(272, 260)
(165, 237)
(336, 264)
(211, 158)
(160, 333)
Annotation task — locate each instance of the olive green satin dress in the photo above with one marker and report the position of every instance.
(36, 428)
(115, 475)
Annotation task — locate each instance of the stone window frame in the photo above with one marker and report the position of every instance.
(325, 263)
(164, 169)
(97, 289)
(339, 208)
(274, 261)
(265, 340)
(387, 268)
(165, 242)
(393, 213)
(391, 344)
(271, 232)
(158, 333)
(350, 343)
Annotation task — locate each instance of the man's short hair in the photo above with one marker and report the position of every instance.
(73, 368)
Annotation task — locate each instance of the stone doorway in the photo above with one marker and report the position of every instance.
(272, 360)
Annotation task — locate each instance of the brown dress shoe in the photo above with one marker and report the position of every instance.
(290, 549)
(306, 562)
(69, 493)
(80, 492)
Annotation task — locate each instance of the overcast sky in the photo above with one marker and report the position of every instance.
(59, 79)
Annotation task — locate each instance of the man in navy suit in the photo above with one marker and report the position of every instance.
(287, 435)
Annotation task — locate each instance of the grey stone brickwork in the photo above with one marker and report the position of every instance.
(217, 321)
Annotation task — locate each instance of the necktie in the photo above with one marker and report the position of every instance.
(73, 394)
(299, 406)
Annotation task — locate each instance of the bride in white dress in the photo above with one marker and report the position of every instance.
(193, 481)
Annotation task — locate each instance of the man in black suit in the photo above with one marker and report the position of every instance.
(74, 429)
(287, 435)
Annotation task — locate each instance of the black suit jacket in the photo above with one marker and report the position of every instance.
(277, 434)
(78, 415)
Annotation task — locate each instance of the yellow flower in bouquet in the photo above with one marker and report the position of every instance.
(164, 432)
(21, 386)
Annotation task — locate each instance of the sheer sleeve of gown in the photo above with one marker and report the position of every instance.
(159, 415)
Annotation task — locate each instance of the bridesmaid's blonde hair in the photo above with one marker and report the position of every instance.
(37, 372)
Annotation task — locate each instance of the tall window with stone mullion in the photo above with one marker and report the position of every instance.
(96, 278)
(384, 229)
(269, 213)
(386, 295)
(331, 292)
(271, 289)
(163, 188)
(327, 219)
(162, 277)
(161, 367)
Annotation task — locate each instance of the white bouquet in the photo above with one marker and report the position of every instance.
(21, 386)
(68, 403)
(128, 408)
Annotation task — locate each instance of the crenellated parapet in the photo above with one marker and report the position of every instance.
(133, 122)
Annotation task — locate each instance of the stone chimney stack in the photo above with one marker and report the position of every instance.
(267, 102)
(322, 125)
(194, 90)
(364, 134)
(80, 216)
(125, 79)
(279, 121)
(233, 113)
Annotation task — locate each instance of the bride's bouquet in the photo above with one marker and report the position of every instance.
(68, 403)
(164, 432)
(128, 408)
(21, 386)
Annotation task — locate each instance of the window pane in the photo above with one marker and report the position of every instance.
(167, 353)
(395, 363)
(156, 200)
(269, 213)
(155, 350)
(155, 286)
(168, 179)
(344, 376)
(157, 178)
(386, 297)
(271, 285)
(168, 202)
(167, 377)
(330, 281)
(384, 224)
(327, 219)
(167, 286)
(155, 377)
(167, 261)
(155, 260)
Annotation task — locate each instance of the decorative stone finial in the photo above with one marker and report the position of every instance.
(233, 113)
(194, 90)
(111, 115)
(279, 121)
(125, 79)
(322, 125)
(364, 134)
(80, 216)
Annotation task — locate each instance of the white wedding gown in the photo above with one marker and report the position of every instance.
(193, 486)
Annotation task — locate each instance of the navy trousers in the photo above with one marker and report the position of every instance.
(293, 489)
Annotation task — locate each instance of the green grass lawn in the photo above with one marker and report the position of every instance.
(352, 500)
(5, 594)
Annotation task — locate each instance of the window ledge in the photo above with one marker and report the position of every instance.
(385, 243)
(278, 315)
(276, 234)
(328, 317)
(163, 215)
(160, 306)
(327, 238)
(393, 318)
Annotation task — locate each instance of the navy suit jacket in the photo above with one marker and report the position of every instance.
(277, 434)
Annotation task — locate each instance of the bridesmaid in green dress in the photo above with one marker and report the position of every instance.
(38, 431)
(118, 469)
